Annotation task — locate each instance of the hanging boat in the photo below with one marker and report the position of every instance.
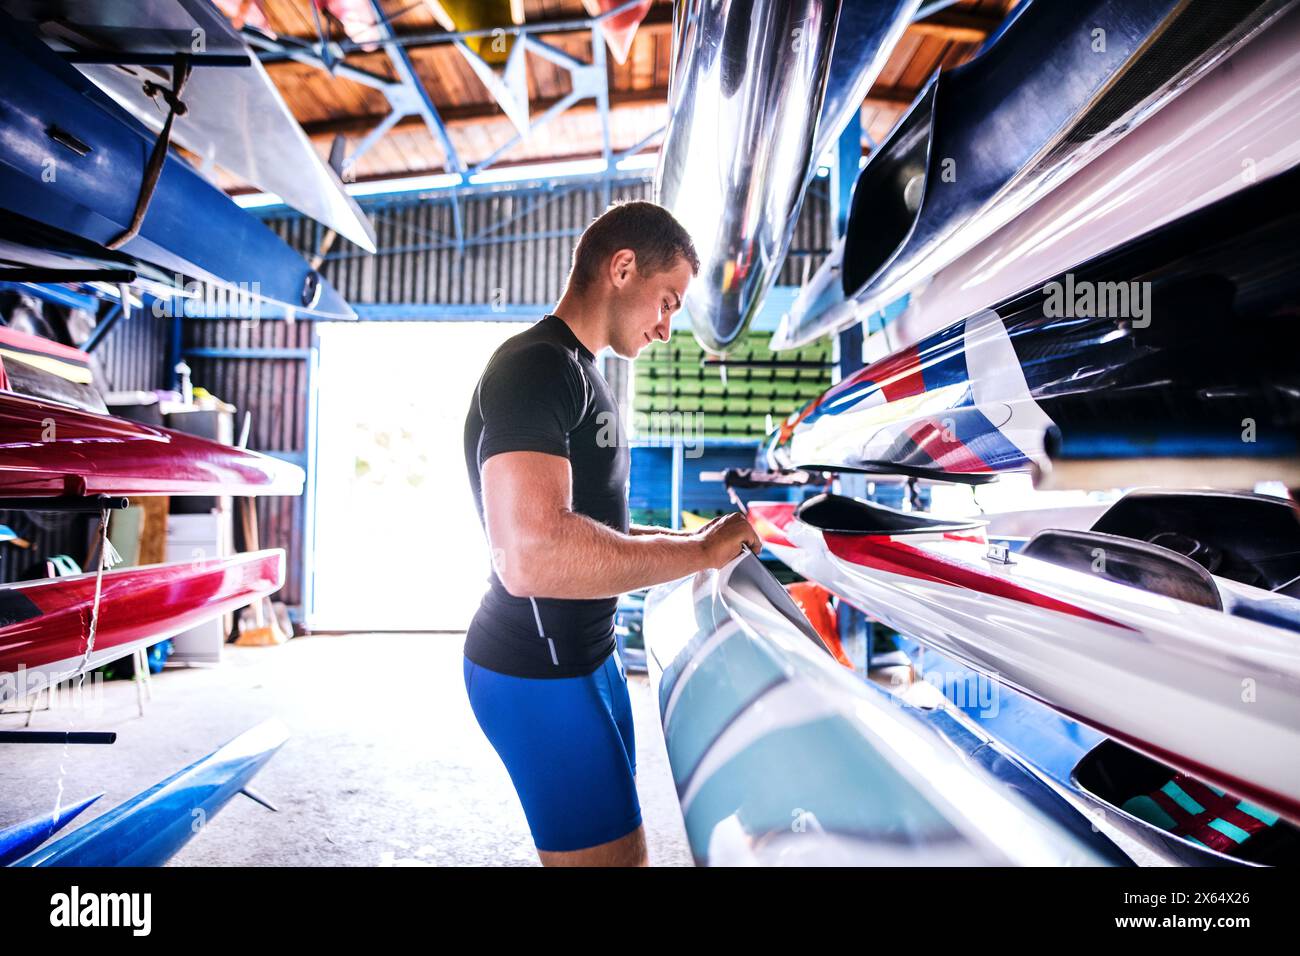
(1089, 622)
(1166, 348)
(44, 623)
(984, 141)
(72, 165)
(783, 757)
(620, 29)
(748, 83)
(273, 153)
(1232, 129)
(151, 827)
(864, 39)
(1111, 784)
(42, 368)
(49, 450)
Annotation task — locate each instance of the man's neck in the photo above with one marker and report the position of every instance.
(585, 319)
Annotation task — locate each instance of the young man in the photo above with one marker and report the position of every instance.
(548, 464)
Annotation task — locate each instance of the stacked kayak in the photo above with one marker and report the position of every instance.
(58, 449)
(1235, 127)
(273, 152)
(44, 632)
(49, 449)
(1163, 348)
(73, 168)
(1058, 86)
(782, 757)
(1111, 627)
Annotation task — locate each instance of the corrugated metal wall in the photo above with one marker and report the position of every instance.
(133, 355)
(516, 250)
(274, 390)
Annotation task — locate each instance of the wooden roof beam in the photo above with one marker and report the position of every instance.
(469, 115)
(958, 26)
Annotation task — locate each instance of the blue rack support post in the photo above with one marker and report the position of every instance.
(855, 629)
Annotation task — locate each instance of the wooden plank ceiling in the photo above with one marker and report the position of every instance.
(328, 106)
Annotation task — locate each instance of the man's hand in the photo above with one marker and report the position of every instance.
(723, 537)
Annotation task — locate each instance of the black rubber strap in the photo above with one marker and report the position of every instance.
(153, 168)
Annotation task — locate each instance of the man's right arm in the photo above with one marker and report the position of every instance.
(542, 548)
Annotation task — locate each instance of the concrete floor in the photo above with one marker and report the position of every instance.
(386, 765)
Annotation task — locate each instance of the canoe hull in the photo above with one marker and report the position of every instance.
(1230, 130)
(1084, 645)
(1061, 84)
(783, 757)
(151, 827)
(44, 636)
(44, 452)
(738, 150)
(1153, 350)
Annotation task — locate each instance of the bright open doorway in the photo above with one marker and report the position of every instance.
(398, 545)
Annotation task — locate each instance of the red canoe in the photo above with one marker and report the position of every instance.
(43, 624)
(619, 30)
(49, 449)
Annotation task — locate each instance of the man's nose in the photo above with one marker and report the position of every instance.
(663, 329)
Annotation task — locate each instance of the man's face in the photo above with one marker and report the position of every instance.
(644, 307)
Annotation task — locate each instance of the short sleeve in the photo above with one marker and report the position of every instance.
(529, 400)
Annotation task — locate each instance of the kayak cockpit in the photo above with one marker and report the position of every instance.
(830, 512)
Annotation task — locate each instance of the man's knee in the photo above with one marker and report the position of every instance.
(627, 850)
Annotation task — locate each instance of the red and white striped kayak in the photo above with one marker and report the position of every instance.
(44, 625)
(1212, 691)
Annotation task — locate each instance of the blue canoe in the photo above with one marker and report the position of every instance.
(152, 826)
(71, 166)
(21, 838)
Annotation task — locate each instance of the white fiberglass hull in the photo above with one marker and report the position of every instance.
(783, 757)
(1215, 695)
(1234, 127)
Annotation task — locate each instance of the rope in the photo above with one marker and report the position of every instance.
(108, 556)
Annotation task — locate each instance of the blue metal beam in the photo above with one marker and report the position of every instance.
(58, 294)
(408, 96)
(300, 51)
(419, 100)
(237, 353)
(103, 327)
(844, 173)
(441, 312)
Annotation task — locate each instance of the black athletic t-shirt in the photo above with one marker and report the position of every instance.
(541, 391)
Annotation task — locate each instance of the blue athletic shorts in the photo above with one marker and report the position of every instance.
(568, 745)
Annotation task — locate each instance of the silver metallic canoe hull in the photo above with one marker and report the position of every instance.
(747, 90)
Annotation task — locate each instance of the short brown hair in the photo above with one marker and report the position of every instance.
(646, 228)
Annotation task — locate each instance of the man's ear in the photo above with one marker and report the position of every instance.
(622, 266)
